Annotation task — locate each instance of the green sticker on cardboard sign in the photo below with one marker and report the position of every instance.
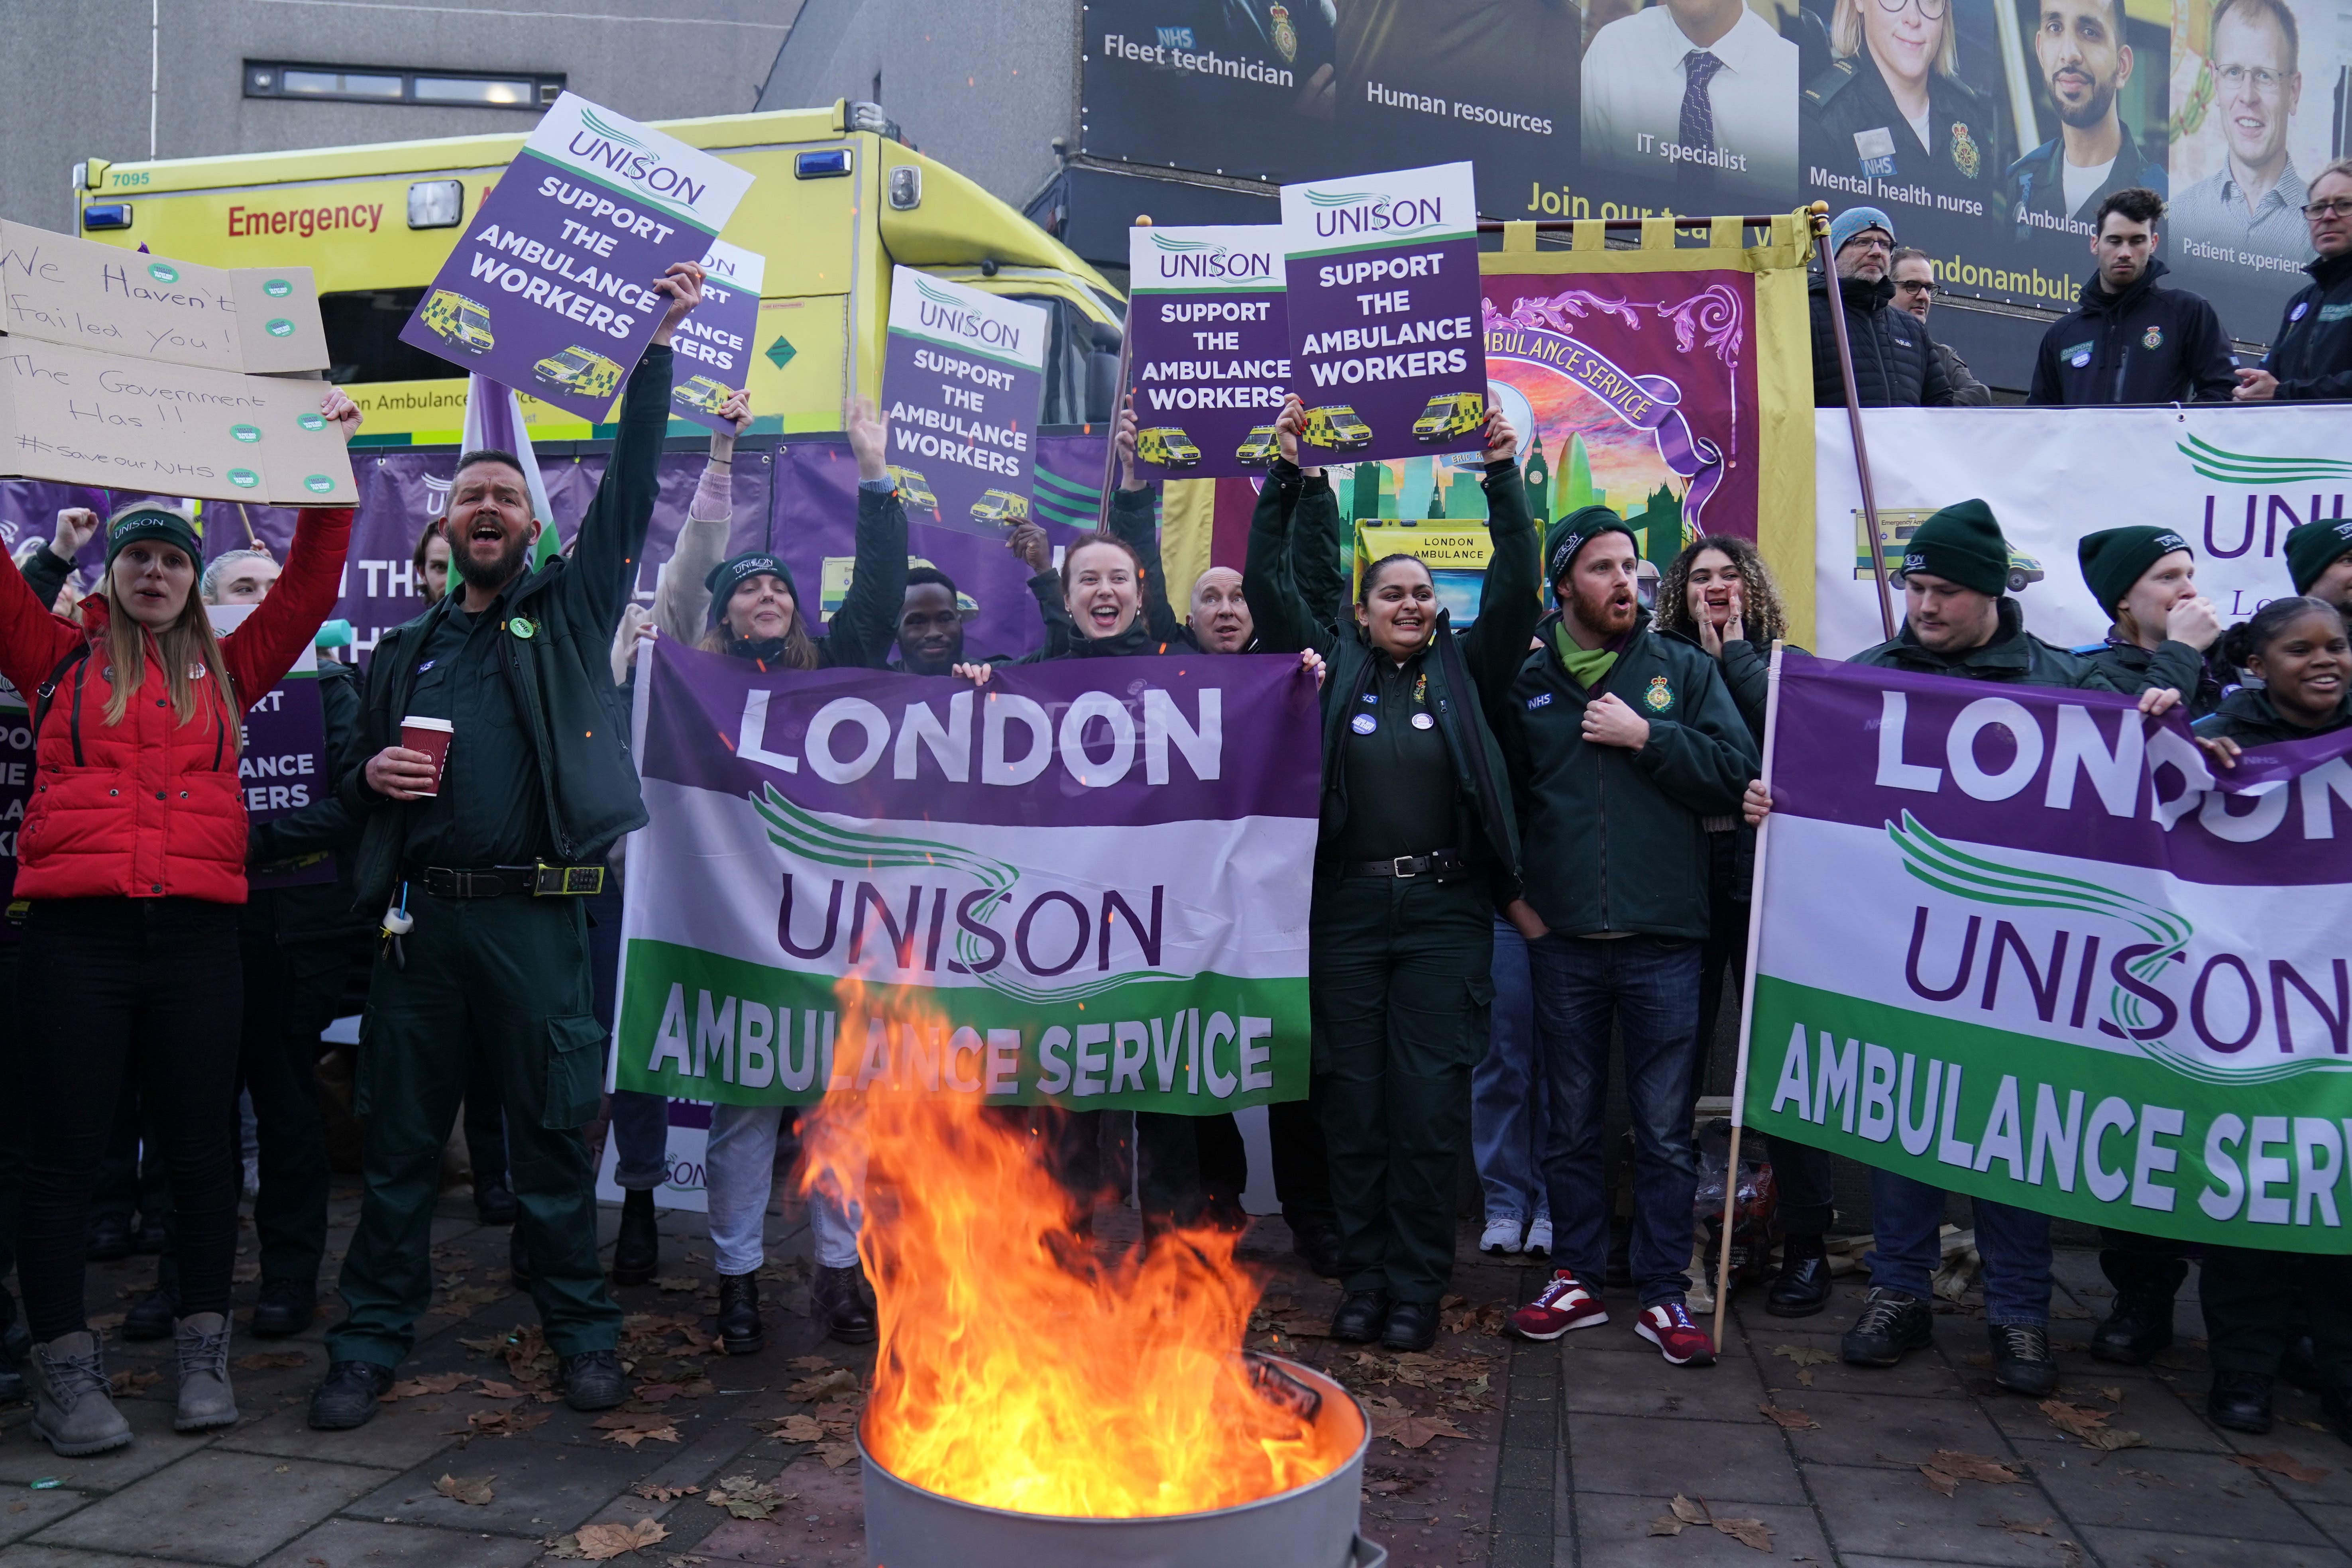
(319, 485)
(249, 434)
(278, 288)
(278, 327)
(311, 420)
(244, 478)
(163, 272)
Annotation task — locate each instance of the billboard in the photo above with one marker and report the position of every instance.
(1990, 130)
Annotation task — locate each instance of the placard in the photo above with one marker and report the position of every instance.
(282, 765)
(713, 345)
(963, 376)
(551, 288)
(1210, 349)
(247, 319)
(1383, 308)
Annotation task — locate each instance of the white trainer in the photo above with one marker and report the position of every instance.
(1501, 1235)
(1538, 1242)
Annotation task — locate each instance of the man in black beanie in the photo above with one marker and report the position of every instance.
(2319, 560)
(2145, 580)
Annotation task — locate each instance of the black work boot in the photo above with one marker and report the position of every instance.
(347, 1398)
(1803, 1286)
(1362, 1317)
(593, 1381)
(1411, 1326)
(637, 1251)
(839, 1297)
(493, 1203)
(2240, 1401)
(151, 1317)
(1890, 1325)
(2140, 1322)
(739, 1333)
(2021, 1361)
(284, 1310)
(518, 1260)
(110, 1239)
(1319, 1246)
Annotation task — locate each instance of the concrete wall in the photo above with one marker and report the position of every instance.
(75, 80)
(984, 86)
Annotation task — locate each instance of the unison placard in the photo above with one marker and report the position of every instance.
(1209, 348)
(962, 378)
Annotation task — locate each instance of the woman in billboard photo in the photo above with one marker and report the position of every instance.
(1893, 108)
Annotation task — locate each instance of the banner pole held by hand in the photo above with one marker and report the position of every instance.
(1118, 402)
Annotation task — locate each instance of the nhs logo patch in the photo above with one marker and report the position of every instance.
(1542, 699)
(1175, 37)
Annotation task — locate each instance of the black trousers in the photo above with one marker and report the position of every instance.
(1302, 1167)
(150, 988)
(131, 1175)
(292, 992)
(1191, 1170)
(1805, 1177)
(12, 1131)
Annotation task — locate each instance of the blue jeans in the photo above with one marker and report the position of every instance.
(1506, 1092)
(739, 1175)
(2014, 1242)
(640, 1139)
(1649, 987)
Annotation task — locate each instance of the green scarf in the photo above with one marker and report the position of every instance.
(1587, 667)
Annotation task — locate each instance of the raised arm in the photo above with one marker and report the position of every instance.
(1318, 550)
(680, 601)
(1135, 518)
(266, 644)
(867, 622)
(1285, 622)
(1509, 602)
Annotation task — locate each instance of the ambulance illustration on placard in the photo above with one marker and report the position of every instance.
(1336, 428)
(1166, 446)
(583, 372)
(1261, 449)
(1896, 526)
(914, 490)
(458, 321)
(701, 391)
(1450, 414)
(1002, 508)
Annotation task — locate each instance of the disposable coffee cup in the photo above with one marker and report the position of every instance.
(432, 737)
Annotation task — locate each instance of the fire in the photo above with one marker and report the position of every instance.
(1015, 1369)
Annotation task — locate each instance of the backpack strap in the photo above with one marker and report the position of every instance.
(48, 690)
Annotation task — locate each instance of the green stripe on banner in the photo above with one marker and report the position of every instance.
(2102, 1137)
(700, 1026)
(1074, 491)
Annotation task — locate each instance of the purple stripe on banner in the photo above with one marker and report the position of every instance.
(2077, 773)
(1089, 743)
(497, 413)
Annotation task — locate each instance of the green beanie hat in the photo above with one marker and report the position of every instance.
(2313, 547)
(2115, 558)
(1961, 544)
(1573, 532)
(154, 522)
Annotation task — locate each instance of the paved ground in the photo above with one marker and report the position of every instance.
(1571, 1454)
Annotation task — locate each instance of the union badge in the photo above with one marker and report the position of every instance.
(1284, 36)
(1661, 696)
(2151, 338)
(1967, 157)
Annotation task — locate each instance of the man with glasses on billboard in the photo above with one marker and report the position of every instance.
(2085, 64)
(2252, 204)
(2311, 354)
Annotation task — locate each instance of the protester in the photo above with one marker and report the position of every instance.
(2319, 560)
(2129, 341)
(1417, 844)
(1615, 800)
(131, 910)
(2258, 1302)
(1895, 365)
(480, 865)
(429, 561)
(2085, 64)
(2311, 354)
(751, 609)
(1915, 292)
(1507, 1120)
(931, 624)
(49, 565)
(1719, 597)
(2145, 578)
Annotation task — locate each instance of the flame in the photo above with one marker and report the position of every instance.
(1015, 1369)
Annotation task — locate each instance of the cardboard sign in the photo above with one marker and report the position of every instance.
(71, 415)
(1210, 348)
(247, 319)
(962, 378)
(549, 290)
(1384, 313)
(714, 344)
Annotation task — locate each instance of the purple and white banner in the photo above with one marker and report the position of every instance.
(1384, 313)
(1084, 884)
(2019, 942)
(550, 289)
(281, 764)
(1210, 348)
(963, 376)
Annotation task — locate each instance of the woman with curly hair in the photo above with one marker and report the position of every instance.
(1719, 597)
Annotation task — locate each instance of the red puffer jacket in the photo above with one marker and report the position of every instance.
(150, 807)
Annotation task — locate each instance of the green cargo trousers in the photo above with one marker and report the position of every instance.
(505, 979)
(2258, 1302)
(1402, 980)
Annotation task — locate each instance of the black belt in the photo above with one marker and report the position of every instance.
(1446, 864)
(540, 881)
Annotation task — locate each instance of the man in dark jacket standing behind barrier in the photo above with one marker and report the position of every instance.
(2127, 341)
(1894, 365)
(2311, 354)
(483, 863)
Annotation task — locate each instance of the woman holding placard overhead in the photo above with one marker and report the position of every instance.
(132, 858)
(1418, 849)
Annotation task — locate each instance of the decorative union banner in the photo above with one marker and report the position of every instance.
(1086, 884)
(2017, 942)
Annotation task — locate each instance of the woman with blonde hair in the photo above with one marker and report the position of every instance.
(1892, 107)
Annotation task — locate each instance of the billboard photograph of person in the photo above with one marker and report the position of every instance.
(2085, 64)
(1699, 97)
(1233, 86)
(2238, 197)
(1892, 118)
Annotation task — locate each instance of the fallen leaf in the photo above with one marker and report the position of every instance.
(600, 1541)
(809, 1363)
(1789, 1420)
(489, 1345)
(131, 1379)
(656, 1393)
(493, 1389)
(1752, 1532)
(653, 1493)
(476, 1295)
(1689, 1512)
(2281, 1463)
(1666, 1524)
(1971, 1467)
(674, 1283)
(1805, 1375)
(2026, 1526)
(2112, 1395)
(262, 1360)
(745, 1497)
(635, 1430)
(1806, 1356)
(503, 1422)
(1416, 1430)
(798, 1429)
(471, 1489)
(698, 1388)
(437, 1383)
(812, 1390)
(1947, 1485)
(837, 1455)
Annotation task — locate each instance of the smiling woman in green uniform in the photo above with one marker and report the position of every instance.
(1417, 849)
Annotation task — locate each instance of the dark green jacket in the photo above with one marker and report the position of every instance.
(1314, 562)
(2131, 670)
(2247, 717)
(1746, 672)
(321, 910)
(562, 670)
(2014, 654)
(1460, 667)
(1615, 839)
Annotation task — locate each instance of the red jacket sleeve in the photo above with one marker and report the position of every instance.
(32, 639)
(263, 648)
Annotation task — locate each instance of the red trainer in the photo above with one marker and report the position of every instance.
(1668, 1325)
(1563, 1304)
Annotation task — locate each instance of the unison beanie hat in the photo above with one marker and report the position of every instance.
(158, 523)
(1573, 532)
(1852, 221)
(730, 574)
(2115, 558)
(2313, 547)
(1962, 544)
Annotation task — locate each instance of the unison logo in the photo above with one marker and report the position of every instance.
(1370, 211)
(944, 312)
(1206, 259)
(620, 153)
(2228, 468)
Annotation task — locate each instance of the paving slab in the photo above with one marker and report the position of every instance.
(1721, 1460)
(1868, 1511)
(2188, 1494)
(1615, 1532)
(1887, 1429)
(541, 1486)
(2136, 1548)
(30, 1511)
(214, 1506)
(361, 1543)
(404, 1433)
(25, 1459)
